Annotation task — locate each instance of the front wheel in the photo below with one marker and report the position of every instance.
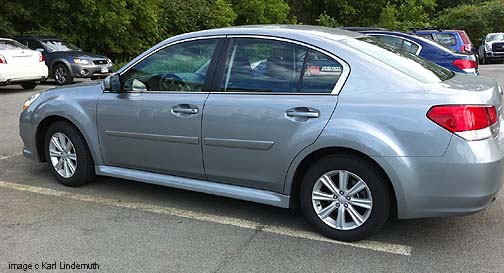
(344, 197)
(62, 74)
(68, 155)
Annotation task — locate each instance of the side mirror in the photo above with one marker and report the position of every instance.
(40, 49)
(112, 83)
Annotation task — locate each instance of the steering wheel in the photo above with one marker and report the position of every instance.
(171, 82)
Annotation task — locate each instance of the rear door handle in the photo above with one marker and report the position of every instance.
(303, 113)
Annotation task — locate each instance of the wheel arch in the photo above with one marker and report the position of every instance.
(57, 62)
(316, 155)
(41, 132)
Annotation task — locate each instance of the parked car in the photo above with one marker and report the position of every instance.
(430, 50)
(492, 48)
(20, 65)
(359, 131)
(457, 40)
(66, 61)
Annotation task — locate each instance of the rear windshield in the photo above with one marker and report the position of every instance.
(11, 45)
(445, 39)
(57, 45)
(410, 64)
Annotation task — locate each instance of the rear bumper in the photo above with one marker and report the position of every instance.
(12, 74)
(91, 70)
(464, 181)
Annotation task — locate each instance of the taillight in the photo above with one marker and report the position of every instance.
(2, 60)
(462, 48)
(471, 122)
(41, 57)
(468, 66)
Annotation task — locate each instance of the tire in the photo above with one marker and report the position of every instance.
(375, 193)
(29, 85)
(62, 75)
(79, 156)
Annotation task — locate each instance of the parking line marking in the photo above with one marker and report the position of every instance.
(9, 156)
(398, 249)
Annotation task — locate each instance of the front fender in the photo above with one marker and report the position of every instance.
(76, 104)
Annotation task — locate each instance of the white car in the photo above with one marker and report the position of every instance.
(492, 48)
(20, 65)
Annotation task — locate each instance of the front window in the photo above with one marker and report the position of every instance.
(412, 65)
(11, 45)
(58, 45)
(180, 67)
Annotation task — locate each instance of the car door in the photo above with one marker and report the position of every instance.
(154, 122)
(270, 99)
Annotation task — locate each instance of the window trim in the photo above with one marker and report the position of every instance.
(403, 38)
(334, 92)
(210, 74)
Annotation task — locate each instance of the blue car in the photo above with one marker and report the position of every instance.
(428, 49)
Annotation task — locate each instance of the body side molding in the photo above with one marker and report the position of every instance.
(167, 138)
(239, 143)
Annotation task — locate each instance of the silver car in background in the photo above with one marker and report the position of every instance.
(339, 124)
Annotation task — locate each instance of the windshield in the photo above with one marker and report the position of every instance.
(410, 64)
(58, 45)
(495, 37)
(11, 45)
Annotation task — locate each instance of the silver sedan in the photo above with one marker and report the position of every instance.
(345, 127)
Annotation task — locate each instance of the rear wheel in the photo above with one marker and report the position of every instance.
(344, 197)
(68, 155)
(29, 85)
(62, 74)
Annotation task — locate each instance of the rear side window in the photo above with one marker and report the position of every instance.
(401, 60)
(320, 74)
(410, 47)
(445, 39)
(262, 65)
(399, 43)
(395, 41)
(11, 45)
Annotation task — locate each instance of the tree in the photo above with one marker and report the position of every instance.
(476, 20)
(252, 12)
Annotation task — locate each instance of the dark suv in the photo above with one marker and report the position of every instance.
(65, 61)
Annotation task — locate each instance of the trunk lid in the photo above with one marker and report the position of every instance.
(21, 56)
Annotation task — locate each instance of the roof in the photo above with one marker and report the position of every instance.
(38, 37)
(278, 31)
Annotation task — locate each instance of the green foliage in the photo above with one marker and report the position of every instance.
(121, 29)
(476, 20)
(388, 17)
(327, 21)
(251, 12)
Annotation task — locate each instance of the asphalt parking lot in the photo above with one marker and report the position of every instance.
(126, 226)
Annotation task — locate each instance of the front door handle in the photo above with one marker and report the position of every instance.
(302, 113)
(185, 110)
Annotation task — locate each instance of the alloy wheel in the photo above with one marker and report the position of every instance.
(342, 200)
(62, 154)
(60, 75)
